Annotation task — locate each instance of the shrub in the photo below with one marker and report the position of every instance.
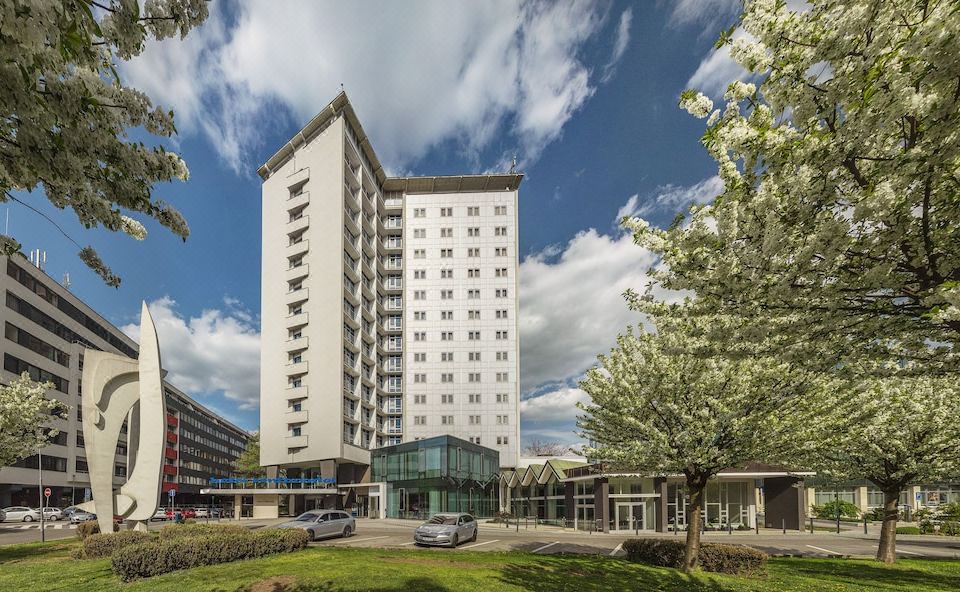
(950, 527)
(716, 557)
(103, 545)
(182, 552)
(876, 514)
(85, 529)
(829, 510)
(950, 511)
(171, 531)
(908, 530)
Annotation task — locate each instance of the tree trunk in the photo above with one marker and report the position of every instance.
(887, 550)
(691, 553)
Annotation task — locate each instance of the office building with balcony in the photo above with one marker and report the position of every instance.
(46, 329)
(389, 307)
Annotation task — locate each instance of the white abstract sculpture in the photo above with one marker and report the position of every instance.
(116, 388)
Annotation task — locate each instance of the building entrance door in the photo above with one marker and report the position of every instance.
(630, 516)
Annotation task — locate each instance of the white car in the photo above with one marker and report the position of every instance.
(53, 514)
(21, 514)
(202, 513)
(160, 514)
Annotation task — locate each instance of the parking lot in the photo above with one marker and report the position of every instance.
(398, 534)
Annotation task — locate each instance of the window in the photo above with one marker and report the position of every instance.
(473, 356)
(473, 232)
(420, 357)
(473, 315)
(474, 377)
(446, 399)
(419, 399)
(419, 420)
(295, 431)
(500, 231)
(473, 252)
(446, 356)
(446, 212)
(473, 336)
(501, 293)
(446, 419)
(446, 336)
(473, 273)
(446, 274)
(446, 294)
(473, 293)
(419, 212)
(502, 356)
(501, 314)
(446, 233)
(503, 377)
(474, 439)
(474, 420)
(446, 253)
(447, 377)
(419, 336)
(419, 274)
(502, 335)
(503, 419)
(473, 211)
(501, 272)
(18, 366)
(420, 378)
(419, 253)
(419, 294)
(473, 397)
(500, 251)
(503, 398)
(419, 315)
(446, 315)
(21, 337)
(500, 210)
(503, 440)
(419, 233)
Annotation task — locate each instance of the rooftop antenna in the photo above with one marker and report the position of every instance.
(513, 165)
(6, 226)
(66, 280)
(341, 88)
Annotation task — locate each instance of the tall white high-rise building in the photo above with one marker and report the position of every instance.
(389, 304)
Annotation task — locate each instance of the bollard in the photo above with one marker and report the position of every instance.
(864, 524)
(636, 525)
(811, 524)
(518, 523)
(729, 527)
(784, 523)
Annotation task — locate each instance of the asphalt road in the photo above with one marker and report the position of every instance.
(399, 535)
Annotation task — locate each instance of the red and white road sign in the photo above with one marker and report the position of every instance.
(46, 492)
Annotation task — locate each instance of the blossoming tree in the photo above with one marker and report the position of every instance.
(840, 159)
(896, 431)
(658, 405)
(24, 410)
(66, 113)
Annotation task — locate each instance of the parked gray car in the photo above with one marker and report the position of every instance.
(21, 514)
(82, 516)
(446, 529)
(321, 524)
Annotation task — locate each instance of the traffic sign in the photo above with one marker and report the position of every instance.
(46, 493)
(172, 492)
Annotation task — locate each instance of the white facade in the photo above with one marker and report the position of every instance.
(339, 303)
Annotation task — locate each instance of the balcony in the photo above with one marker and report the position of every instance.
(352, 220)
(170, 453)
(296, 441)
(295, 368)
(295, 393)
(301, 223)
(169, 469)
(171, 438)
(296, 296)
(295, 202)
(172, 420)
(296, 344)
(297, 273)
(298, 248)
(393, 263)
(296, 321)
(393, 282)
(393, 223)
(296, 416)
(393, 243)
(392, 203)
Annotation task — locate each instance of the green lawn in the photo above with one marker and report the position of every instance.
(39, 567)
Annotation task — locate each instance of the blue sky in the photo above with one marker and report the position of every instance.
(584, 94)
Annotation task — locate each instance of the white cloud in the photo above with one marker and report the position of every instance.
(619, 44)
(419, 73)
(706, 13)
(672, 199)
(572, 306)
(216, 351)
(557, 405)
(717, 70)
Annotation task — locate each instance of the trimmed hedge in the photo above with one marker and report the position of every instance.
(172, 531)
(103, 545)
(716, 557)
(908, 530)
(183, 552)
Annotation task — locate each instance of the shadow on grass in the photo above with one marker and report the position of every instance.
(35, 551)
(582, 573)
(870, 574)
(411, 585)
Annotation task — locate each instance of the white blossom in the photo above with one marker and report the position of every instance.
(696, 104)
(24, 415)
(133, 228)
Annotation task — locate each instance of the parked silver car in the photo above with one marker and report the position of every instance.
(82, 516)
(3, 515)
(21, 514)
(446, 529)
(323, 523)
(53, 514)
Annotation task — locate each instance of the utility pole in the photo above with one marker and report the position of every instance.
(43, 532)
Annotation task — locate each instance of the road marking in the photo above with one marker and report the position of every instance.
(366, 539)
(26, 526)
(410, 543)
(825, 550)
(479, 544)
(616, 550)
(908, 552)
(547, 546)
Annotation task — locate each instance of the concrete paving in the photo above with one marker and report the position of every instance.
(398, 534)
